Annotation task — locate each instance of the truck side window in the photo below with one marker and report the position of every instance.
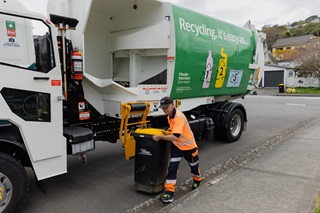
(28, 105)
(26, 43)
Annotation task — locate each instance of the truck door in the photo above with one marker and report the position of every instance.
(31, 89)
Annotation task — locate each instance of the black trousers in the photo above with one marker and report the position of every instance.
(191, 156)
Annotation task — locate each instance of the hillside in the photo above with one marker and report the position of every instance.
(310, 25)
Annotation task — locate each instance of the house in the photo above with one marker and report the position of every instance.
(279, 66)
(293, 43)
(282, 73)
(284, 48)
(274, 73)
(269, 58)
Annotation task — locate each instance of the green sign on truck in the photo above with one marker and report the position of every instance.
(212, 56)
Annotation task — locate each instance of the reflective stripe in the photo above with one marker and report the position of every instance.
(171, 181)
(184, 139)
(194, 164)
(185, 120)
(179, 143)
(175, 159)
(169, 187)
(197, 176)
(180, 124)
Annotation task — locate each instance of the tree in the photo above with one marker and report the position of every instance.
(308, 63)
(311, 18)
(316, 31)
(287, 34)
(312, 28)
(273, 33)
(298, 28)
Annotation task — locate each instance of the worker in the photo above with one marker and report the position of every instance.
(183, 144)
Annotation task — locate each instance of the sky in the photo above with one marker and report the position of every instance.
(238, 12)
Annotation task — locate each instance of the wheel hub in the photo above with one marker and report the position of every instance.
(235, 126)
(5, 191)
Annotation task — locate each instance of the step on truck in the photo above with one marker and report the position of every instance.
(95, 71)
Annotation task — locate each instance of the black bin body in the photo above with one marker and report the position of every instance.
(281, 88)
(151, 162)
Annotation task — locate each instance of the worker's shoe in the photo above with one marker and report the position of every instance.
(167, 197)
(195, 184)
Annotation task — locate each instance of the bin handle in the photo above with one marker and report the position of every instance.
(126, 110)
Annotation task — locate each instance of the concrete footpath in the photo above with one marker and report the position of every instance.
(283, 179)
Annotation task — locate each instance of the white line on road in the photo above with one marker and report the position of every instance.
(292, 104)
(283, 97)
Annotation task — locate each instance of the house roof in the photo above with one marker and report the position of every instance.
(269, 56)
(282, 42)
(278, 66)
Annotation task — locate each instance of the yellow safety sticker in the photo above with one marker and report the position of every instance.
(1, 190)
(178, 103)
(222, 69)
(257, 75)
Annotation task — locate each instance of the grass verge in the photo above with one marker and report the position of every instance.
(307, 90)
(317, 208)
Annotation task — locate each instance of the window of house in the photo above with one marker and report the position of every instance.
(291, 73)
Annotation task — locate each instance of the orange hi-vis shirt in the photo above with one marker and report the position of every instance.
(179, 124)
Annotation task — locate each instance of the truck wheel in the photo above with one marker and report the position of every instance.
(14, 184)
(235, 122)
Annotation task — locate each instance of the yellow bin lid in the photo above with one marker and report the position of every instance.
(150, 131)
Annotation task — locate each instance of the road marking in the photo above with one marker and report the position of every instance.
(292, 104)
(282, 97)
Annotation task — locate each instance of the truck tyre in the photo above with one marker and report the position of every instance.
(234, 127)
(14, 184)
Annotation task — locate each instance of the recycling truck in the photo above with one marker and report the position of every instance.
(95, 71)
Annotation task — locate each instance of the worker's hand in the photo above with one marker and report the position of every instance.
(156, 137)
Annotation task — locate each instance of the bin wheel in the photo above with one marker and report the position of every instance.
(14, 184)
(234, 127)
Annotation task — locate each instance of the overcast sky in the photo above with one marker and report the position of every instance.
(260, 12)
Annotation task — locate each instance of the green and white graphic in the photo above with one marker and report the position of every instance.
(208, 72)
(235, 77)
(11, 28)
(207, 50)
(11, 25)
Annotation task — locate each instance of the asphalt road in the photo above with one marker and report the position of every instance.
(106, 182)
